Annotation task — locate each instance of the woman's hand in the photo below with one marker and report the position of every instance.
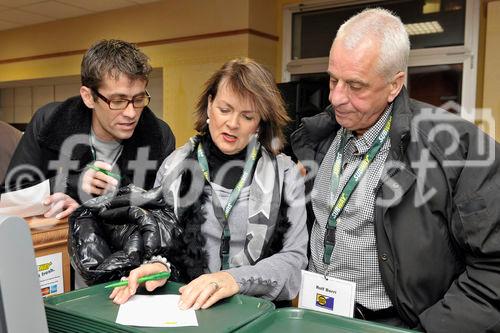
(207, 289)
(121, 294)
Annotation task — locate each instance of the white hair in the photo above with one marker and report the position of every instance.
(387, 29)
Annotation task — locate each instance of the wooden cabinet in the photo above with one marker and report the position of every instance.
(50, 236)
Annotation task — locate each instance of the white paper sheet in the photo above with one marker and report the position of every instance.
(25, 202)
(155, 311)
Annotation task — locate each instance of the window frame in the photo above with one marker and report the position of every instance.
(463, 54)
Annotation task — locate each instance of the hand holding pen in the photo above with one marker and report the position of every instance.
(121, 294)
(99, 179)
(152, 277)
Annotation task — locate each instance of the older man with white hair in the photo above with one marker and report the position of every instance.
(410, 220)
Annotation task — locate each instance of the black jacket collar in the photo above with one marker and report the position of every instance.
(323, 127)
(401, 121)
(68, 118)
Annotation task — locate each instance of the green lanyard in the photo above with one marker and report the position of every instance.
(226, 233)
(94, 153)
(352, 183)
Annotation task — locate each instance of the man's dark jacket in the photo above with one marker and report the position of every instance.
(55, 122)
(438, 238)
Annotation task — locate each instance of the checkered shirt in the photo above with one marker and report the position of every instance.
(354, 257)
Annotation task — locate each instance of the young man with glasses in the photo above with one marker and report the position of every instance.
(105, 138)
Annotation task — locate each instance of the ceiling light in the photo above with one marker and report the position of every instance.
(424, 28)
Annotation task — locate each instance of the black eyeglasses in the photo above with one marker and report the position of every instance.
(122, 103)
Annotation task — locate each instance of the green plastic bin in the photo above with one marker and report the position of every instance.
(89, 310)
(293, 320)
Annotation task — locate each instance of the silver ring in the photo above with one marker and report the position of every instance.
(124, 278)
(215, 284)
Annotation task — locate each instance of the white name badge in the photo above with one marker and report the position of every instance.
(334, 296)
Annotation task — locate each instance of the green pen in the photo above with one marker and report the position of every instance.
(104, 171)
(152, 277)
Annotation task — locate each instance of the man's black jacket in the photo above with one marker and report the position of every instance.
(438, 231)
(46, 140)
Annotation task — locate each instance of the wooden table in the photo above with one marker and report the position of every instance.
(50, 236)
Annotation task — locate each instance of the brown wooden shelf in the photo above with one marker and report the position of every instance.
(50, 236)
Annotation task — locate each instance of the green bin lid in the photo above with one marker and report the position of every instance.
(291, 320)
(90, 310)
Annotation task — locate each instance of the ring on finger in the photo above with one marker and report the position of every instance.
(215, 284)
